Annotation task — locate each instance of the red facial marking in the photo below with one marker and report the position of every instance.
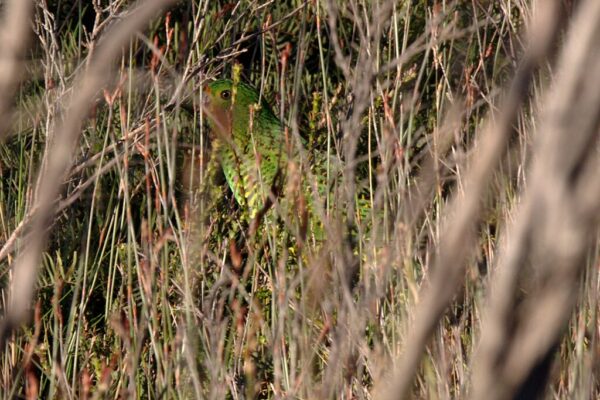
(219, 116)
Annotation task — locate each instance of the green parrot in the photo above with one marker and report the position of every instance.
(260, 161)
(248, 141)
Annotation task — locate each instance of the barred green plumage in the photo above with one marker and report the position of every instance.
(248, 140)
(256, 156)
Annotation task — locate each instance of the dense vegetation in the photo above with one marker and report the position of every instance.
(154, 283)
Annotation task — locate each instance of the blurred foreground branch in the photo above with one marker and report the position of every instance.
(458, 237)
(59, 155)
(14, 37)
(545, 252)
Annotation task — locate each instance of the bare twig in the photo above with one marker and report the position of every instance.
(360, 77)
(61, 204)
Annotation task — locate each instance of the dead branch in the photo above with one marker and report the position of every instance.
(14, 37)
(458, 235)
(545, 253)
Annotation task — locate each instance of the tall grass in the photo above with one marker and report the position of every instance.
(154, 284)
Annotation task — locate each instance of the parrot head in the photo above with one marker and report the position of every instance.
(227, 105)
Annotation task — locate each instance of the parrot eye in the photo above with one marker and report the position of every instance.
(225, 94)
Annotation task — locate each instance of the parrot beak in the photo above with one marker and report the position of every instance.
(205, 95)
